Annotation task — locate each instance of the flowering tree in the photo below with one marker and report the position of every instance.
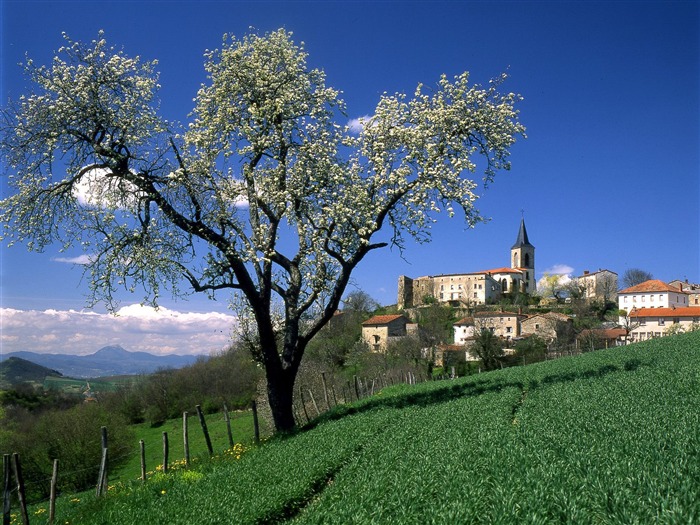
(263, 194)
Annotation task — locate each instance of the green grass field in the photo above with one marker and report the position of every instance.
(607, 437)
(241, 430)
(78, 386)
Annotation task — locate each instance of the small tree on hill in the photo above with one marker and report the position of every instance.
(263, 194)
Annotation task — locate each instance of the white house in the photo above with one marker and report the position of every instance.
(647, 323)
(651, 294)
(464, 330)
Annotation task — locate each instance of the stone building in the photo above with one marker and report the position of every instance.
(380, 330)
(474, 288)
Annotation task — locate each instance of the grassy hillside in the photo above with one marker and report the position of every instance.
(607, 437)
(15, 371)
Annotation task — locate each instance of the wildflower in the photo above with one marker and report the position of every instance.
(162, 491)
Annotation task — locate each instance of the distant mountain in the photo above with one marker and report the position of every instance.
(16, 370)
(108, 361)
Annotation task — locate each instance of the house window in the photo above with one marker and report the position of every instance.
(642, 322)
(509, 329)
(475, 295)
(652, 298)
(643, 298)
(537, 326)
(625, 298)
(452, 287)
(479, 287)
(662, 322)
(676, 320)
(441, 295)
(634, 298)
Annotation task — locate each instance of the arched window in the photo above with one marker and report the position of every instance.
(527, 260)
(515, 260)
(504, 285)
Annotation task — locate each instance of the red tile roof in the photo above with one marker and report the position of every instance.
(469, 321)
(653, 285)
(608, 333)
(382, 319)
(505, 269)
(686, 311)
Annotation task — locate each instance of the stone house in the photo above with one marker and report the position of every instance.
(598, 286)
(692, 289)
(503, 324)
(380, 330)
(549, 326)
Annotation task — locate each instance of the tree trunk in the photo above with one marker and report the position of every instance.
(280, 394)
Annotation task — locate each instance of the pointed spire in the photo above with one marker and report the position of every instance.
(522, 239)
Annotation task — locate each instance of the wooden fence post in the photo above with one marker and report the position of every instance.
(325, 391)
(303, 404)
(166, 452)
(6, 491)
(186, 439)
(52, 493)
(142, 447)
(335, 399)
(313, 402)
(227, 418)
(102, 477)
(256, 425)
(203, 422)
(21, 495)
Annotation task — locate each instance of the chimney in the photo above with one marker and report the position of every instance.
(585, 272)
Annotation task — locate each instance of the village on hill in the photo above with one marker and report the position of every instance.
(506, 301)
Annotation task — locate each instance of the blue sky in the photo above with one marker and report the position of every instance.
(607, 178)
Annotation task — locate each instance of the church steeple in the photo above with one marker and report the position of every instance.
(522, 256)
(522, 239)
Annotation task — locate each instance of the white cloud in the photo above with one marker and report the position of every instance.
(355, 125)
(559, 269)
(135, 327)
(563, 272)
(80, 259)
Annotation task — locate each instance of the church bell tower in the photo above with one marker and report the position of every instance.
(522, 257)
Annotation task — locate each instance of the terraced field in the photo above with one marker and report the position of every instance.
(607, 437)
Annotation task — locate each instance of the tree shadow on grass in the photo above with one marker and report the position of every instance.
(467, 388)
